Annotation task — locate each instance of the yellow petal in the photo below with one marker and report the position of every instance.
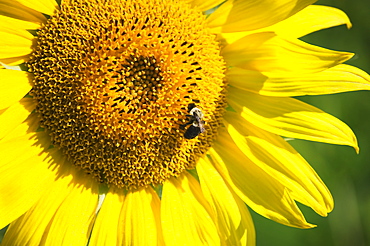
(13, 61)
(310, 19)
(14, 85)
(253, 185)
(16, 10)
(290, 117)
(237, 16)
(340, 78)
(140, 220)
(251, 233)
(7, 22)
(185, 214)
(105, 231)
(233, 222)
(30, 228)
(73, 221)
(7, 66)
(204, 4)
(30, 125)
(14, 26)
(277, 158)
(24, 175)
(15, 115)
(270, 54)
(43, 6)
(15, 43)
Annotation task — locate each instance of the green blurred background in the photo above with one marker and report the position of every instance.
(346, 174)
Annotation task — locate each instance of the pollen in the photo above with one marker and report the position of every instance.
(113, 81)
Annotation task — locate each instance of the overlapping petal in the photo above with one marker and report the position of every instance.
(17, 10)
(16, 24)
(14, 85)
(15, 115)
(310, 19)
(185, 214)
(25, 173)
(340, 78)
(30, 228)
(290, 117)
(42, 6)
(237, 16)
(205, 4)
(105, 231)
(276, 157)
(253, 185)
(271, 54)
(139, 219)
(73, 220)
(13, 61)
(15, 43)
(29, 126)
(234, 222)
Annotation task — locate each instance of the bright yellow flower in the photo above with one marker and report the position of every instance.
(153, 122)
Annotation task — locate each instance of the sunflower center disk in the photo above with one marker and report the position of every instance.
(113, 82)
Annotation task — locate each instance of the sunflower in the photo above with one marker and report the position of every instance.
(155, 122)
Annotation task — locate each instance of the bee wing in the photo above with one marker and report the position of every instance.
(197, 118)
(192, 132)
(201, 126)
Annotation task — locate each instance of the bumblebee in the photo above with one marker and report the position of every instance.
(196, 122)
